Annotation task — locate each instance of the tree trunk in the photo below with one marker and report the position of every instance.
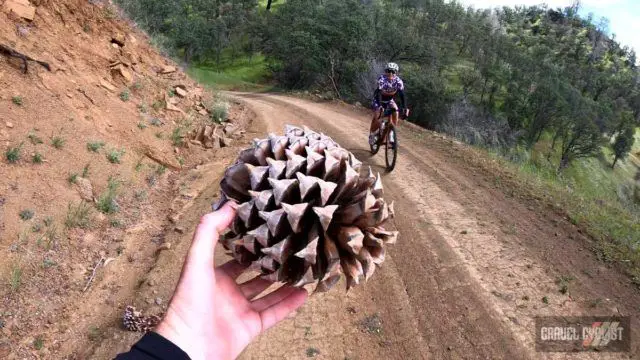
(268, 5)
(615, 160)
(564, 162)
(484, 89)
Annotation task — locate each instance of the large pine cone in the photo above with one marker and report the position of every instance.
(304, 214)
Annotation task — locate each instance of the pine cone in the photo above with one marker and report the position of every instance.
(133, 320)
(304, 214)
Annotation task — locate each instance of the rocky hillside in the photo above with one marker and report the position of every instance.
(104, 143)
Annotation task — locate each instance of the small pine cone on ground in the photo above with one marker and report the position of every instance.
(304, 213)
(133, 320)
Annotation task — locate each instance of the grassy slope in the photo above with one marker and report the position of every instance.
(234, 74)
(595, 197)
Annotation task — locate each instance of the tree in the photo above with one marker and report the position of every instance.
(623, 144)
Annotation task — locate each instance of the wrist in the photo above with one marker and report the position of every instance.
(174, 329)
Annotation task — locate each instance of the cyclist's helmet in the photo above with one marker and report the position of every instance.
(392, 67)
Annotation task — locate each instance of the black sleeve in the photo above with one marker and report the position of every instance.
(153, 346)
(403, 99)
(378, 96)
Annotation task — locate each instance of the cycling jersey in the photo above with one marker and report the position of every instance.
(386, 91)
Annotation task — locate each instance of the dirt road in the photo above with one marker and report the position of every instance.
(474, 264)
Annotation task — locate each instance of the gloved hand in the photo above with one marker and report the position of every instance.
(404, 113)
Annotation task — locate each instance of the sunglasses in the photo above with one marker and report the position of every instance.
(390, 71)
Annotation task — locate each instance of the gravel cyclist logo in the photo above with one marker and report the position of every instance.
(591, 333)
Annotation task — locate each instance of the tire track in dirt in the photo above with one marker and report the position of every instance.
(471, 281)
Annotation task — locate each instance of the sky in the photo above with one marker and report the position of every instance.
(623, 15)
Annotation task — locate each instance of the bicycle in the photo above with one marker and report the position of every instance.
(388, 137)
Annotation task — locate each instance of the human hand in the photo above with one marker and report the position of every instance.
(212, 317)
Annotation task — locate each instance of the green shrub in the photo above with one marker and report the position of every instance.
(107, 203)
(125, 95)
(177, 138)
(26, 214)
(219, 111)
(94, 146)
(72, 178)
(13, 154)
(114, 155)
(37, 158)
(79, 216)
(35, 140)
(58, 142)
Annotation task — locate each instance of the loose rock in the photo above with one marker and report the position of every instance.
(85, 189)
(168, 69)
(164, 246)
(181, 92)
(22, 8)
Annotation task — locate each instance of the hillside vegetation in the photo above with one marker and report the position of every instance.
(547, 89)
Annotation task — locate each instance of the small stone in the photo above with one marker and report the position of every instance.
(172, 107)
(181, 91)
(168, 69)
(22, 8)
(85, 189)
(121, 71)
(107, 85)
(203, 112)
(464, 232)
(119, 39)
(9, 124)
(179, 229)
(149, 301)
(164, 246)
(151, 282)
(158, 301)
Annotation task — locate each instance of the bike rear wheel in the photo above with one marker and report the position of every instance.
(391, 149)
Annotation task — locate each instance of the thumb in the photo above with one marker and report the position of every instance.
(207, 235)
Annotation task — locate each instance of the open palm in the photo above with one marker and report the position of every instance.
(211, 316)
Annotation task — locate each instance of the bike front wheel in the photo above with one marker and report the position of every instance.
(391, 149)
(374, 147)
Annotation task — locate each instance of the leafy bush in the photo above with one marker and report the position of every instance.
(79, 216)
(13, 154)
(107, 202)
(58, 142)
(37, 158)
(94, 146)
(26, 214)
(114, 155)
(125, 95)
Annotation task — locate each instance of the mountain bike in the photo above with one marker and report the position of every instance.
(389, 138)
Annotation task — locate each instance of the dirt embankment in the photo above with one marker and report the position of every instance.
(100, 158)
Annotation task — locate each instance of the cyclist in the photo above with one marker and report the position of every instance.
(389, 85)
